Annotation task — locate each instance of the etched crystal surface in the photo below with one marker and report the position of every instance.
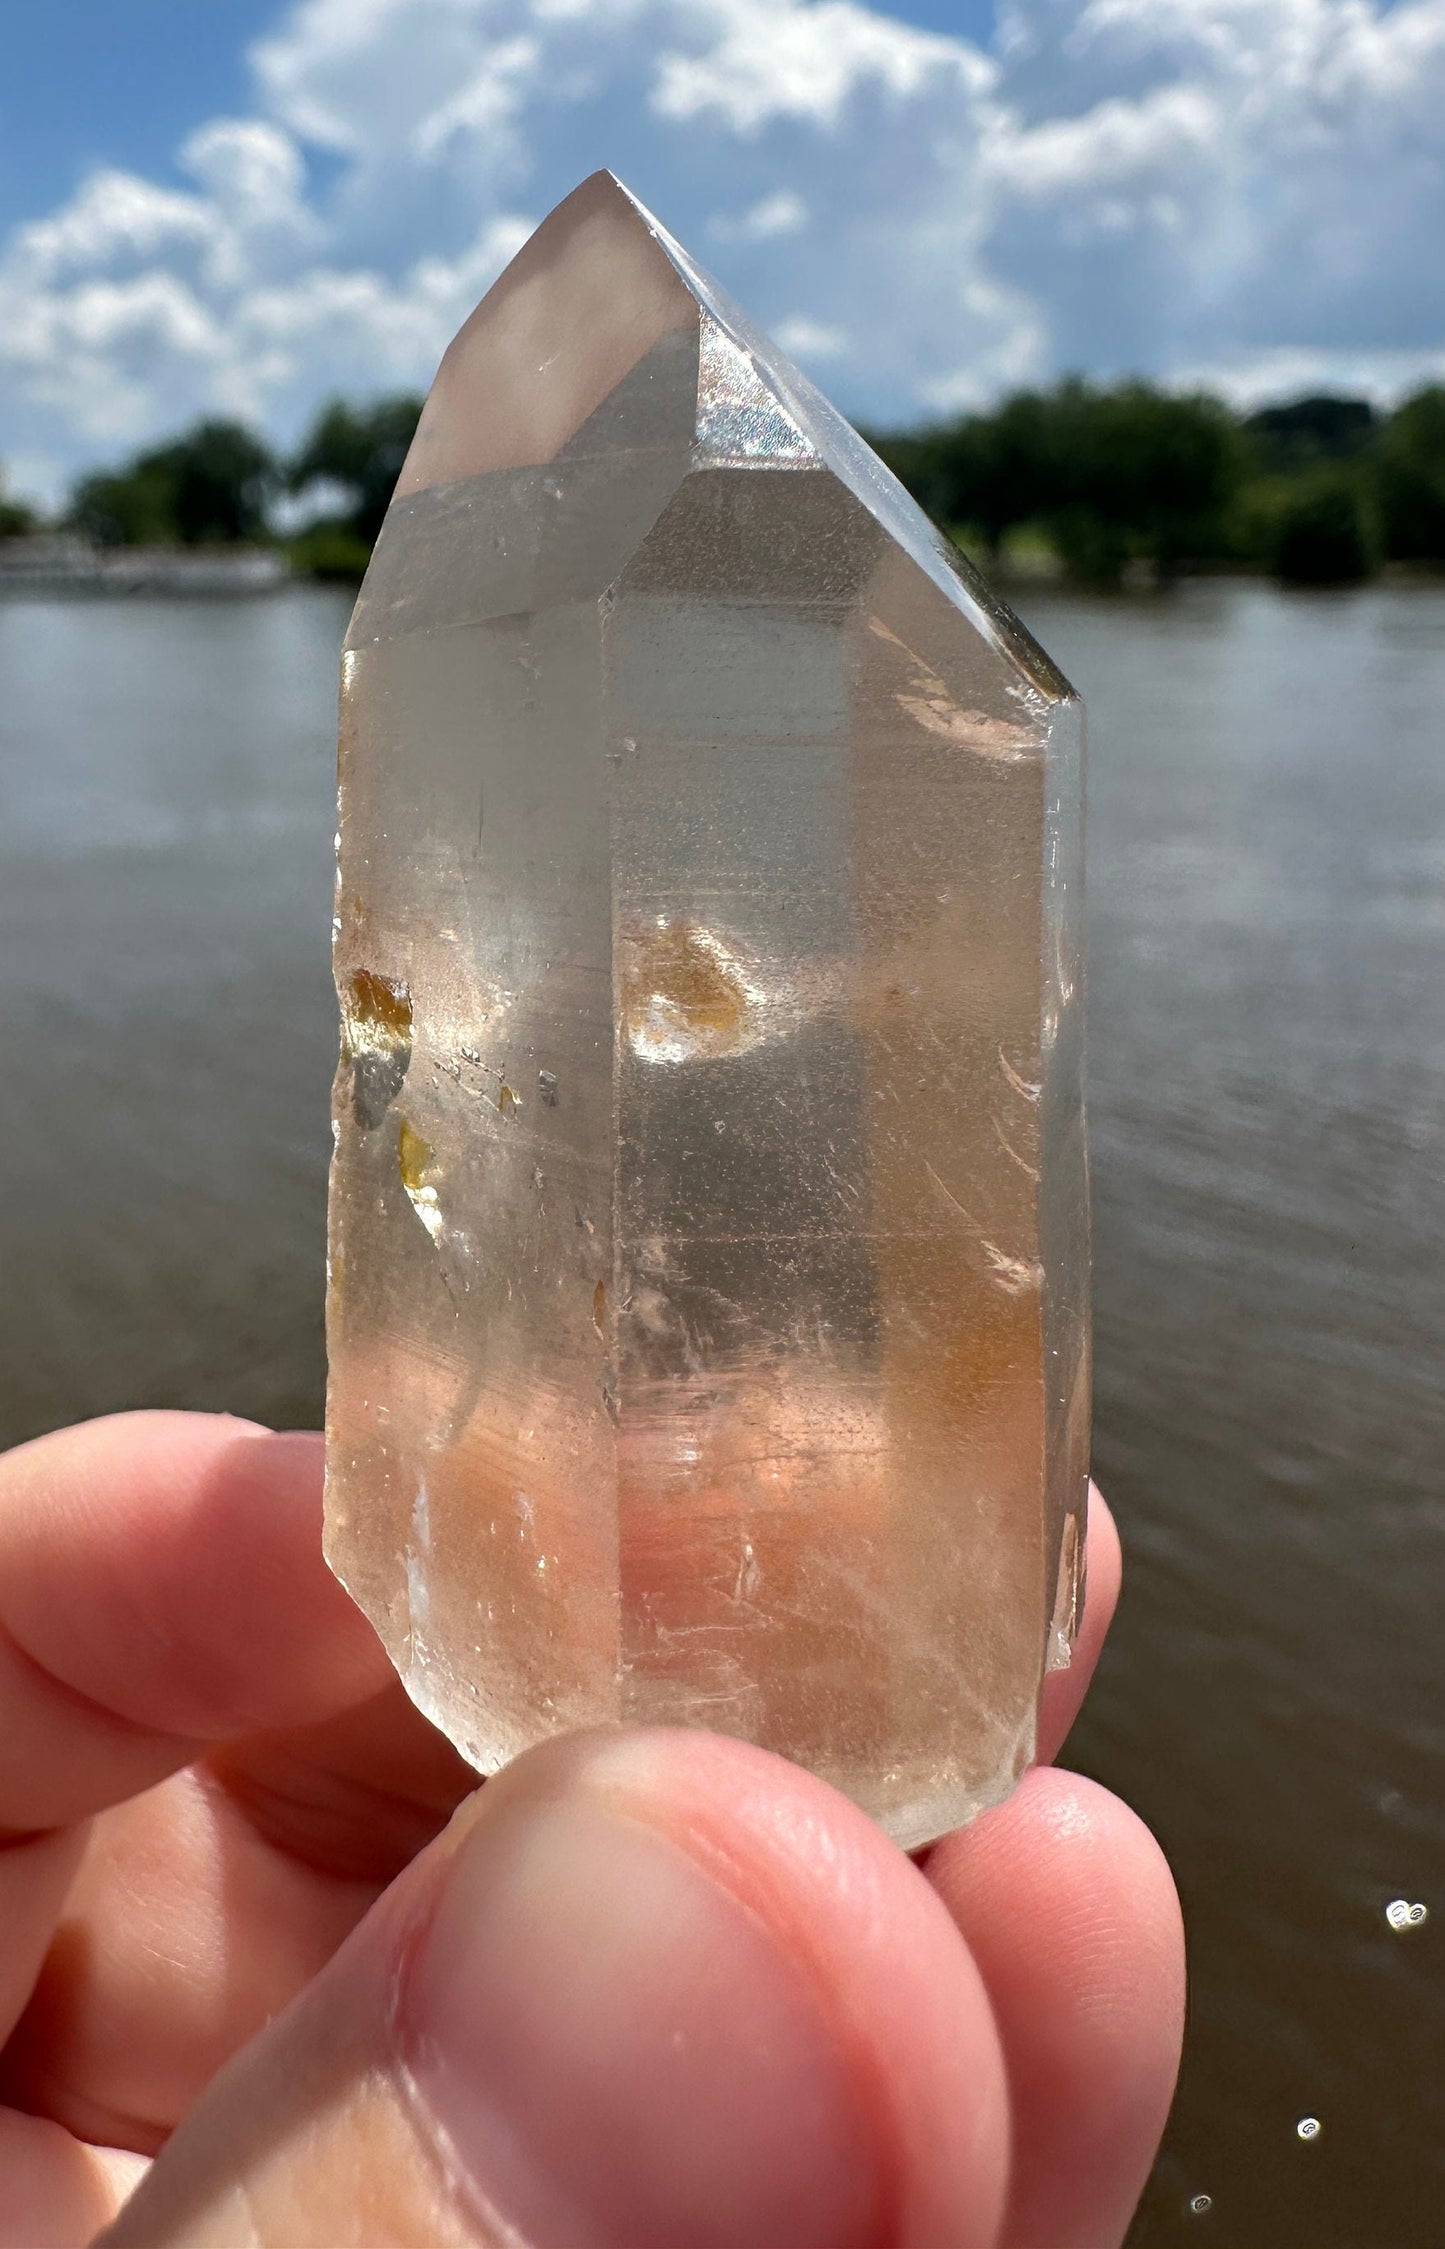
(708, 1321)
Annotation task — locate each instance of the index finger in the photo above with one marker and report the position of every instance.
(162, 1587)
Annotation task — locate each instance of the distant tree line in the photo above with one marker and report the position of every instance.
(1319, 491)
(1101, 477)
(1103, 481)
(219, 485)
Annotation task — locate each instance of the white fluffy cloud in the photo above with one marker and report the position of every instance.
(1245, 191)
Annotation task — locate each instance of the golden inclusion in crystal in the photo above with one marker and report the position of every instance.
(708, 1323)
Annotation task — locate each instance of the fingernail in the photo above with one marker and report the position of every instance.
(621, 2054)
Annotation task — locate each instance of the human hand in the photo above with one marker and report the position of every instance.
(645, 1991)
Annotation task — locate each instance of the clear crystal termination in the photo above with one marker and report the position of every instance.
(709, 1241)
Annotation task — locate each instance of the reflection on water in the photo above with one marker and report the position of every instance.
(166, 1016)
(1268, 1080)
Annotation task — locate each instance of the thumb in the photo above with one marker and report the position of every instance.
(651, 1991)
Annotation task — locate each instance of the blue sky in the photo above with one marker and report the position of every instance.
(122, 82)
(242, 206)
(91, 82)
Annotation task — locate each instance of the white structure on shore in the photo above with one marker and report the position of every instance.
(63, 563)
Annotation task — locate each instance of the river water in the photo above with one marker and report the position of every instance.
(1267, 963)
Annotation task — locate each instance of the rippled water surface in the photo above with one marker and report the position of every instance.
(1268, 1079)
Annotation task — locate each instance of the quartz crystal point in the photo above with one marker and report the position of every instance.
(707, 1324)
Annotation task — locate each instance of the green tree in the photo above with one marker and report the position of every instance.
(360, 448)
(129, 507)
(1306, 431)
(222, 477)
(331, 552)
(1323, 534)
(1112, 474)
(1411, 474)
(16, 519)
(1139, 474)
(209, 487)
(1006, 466)
(986, 473)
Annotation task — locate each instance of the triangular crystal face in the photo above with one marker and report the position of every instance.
(708, 1315)
(740, 417)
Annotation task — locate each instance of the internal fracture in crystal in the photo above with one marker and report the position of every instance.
(708, 1312)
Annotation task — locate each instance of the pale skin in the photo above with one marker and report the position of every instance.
(273, 1971)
